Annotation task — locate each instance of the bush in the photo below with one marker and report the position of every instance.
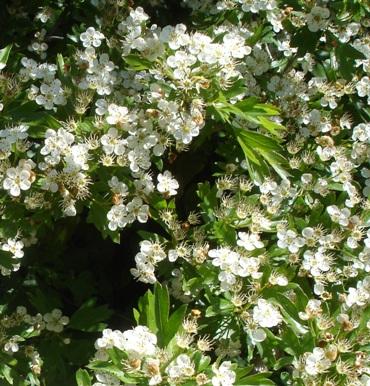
(185, 195)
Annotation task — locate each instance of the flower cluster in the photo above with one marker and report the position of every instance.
(145, 361)
(18, 330)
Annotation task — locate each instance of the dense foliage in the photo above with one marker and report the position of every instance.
(227, 155)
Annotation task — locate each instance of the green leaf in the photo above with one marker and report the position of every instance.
(98, 216)
(251, 107)
(346, 55)
(282, 362)
(262, 151)
(5, 371)
(220, 306)
(116, 355)
(105, 367)
(137, 63)
(44, 302)
(174, 323)
(147, 312)
(236, 89)
(201, 361)
(258, 34)
(6, 260)
(305, 41)
(273, 127)
(224, 232)
(154, 312)
(88, 317)
(136, 315)
(162, 308)
(290, 313)
(83, 378)
(4, 55)
(61, 68)
(256, 379)
(208, 197)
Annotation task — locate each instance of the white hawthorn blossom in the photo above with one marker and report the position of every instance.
(167, 184)
(266, 315)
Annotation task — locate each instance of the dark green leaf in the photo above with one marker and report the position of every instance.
(4, 55)
(83, 378)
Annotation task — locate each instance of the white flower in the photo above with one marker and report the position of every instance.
(13, 134)
(361, 132)
(316, 19)
(235, 45)
(117, 115)
(337, 215)
(167, 184)
(113, 143)
(49, 182)
(138, 16)
(91, 37)
(118, 187)
(15, 247)
(363, 87)
(316, 262)
(184, 129)
(357, 296)
(316, 362)
(249, 241)
(152, 250)
(19, 178)
(256, 6)
(51, 94)
(55, 321)
(139, 342)
(77, 158)
(223, 257)
(110, 339)
(151, 368)
(144, 271)
(11, 346)
(278, 279)
(182, 366)
(174, 36)
(266, 315)
(290, 240)
(137, 209)
(223, 375)
(106, 380)
(117, 217)
(247, 266)
(56, 143)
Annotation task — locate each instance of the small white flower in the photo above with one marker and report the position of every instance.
(55, 321)
(266, 315)
(167, 184)
(223, 375)
(15, 247)
(139, 342)
(17, 179)
(316, 19)
(337, 215)
(290, 240)
(91, 37)
(316, 362)
(182, 366)
(11, 346)
(249, 241)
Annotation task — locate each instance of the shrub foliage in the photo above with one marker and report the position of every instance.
(225, 146)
